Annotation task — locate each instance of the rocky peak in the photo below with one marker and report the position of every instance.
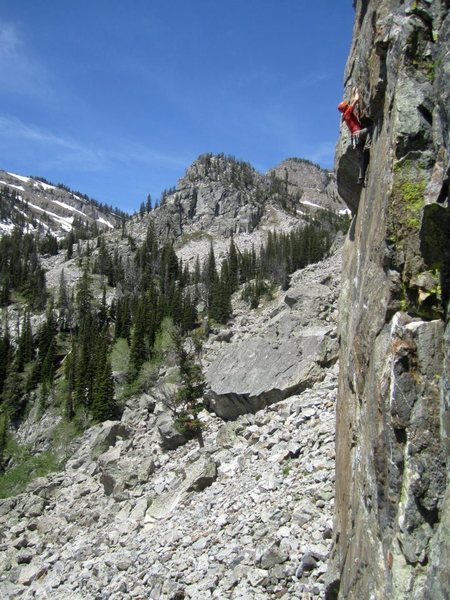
(220, 168)
(311, 186)
(302, 174)
(220, 196)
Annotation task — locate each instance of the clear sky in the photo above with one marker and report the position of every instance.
(115, 98)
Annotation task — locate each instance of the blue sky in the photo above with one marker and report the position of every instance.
(115, 98)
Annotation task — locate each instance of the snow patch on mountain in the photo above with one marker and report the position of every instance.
(44, 186)
(104, 222)
(11, 185)
(68, 207)
(20, 177)
(308, 203)
(6, 227)
(65, 222)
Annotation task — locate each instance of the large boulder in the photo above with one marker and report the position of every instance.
(119, 471)
(253, 373)
(106, 435)
(282, 350)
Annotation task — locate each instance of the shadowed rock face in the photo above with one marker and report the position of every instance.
(392, 449)
(347, 184)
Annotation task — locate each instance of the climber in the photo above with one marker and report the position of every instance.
(361, 136)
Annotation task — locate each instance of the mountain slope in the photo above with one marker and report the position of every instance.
(129, 510)
(249, 515)
(36, 205)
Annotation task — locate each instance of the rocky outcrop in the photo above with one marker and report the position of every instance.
(220, 195)
(254, 373)
(312, 187)
(391, 520)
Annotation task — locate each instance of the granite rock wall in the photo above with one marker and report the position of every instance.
(391, 532)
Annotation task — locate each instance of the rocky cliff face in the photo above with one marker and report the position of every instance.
(392, 495)
(314, 187)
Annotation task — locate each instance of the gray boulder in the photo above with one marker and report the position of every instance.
(120, 472)
(256, 372)
(106, 435)
(201, 474)
(196, 476)
(170, 437)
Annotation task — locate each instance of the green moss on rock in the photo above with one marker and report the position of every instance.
(404, 223)
(405, 207)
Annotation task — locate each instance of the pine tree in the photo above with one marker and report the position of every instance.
(197, 271)
(175, 304)
(85, 341)
(189, 314)
(233, 268)
(103, 403)
(103, 312)
(70, 241)
(63, 306)
(123, 318)
(25, 348)
(13, 396)
(4, 422)
(103, 263)
(5, 290)
(138, 348)
(39, 292)
(190, 390)
(44, 367)
(211, 280)
(170, 268)
(6, 354)
(69, 372)
(211, 272)
(49, 363)
(84, 299)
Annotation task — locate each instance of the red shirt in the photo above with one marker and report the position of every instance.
(351, 119)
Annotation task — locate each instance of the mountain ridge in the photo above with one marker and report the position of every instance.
(39, 206)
